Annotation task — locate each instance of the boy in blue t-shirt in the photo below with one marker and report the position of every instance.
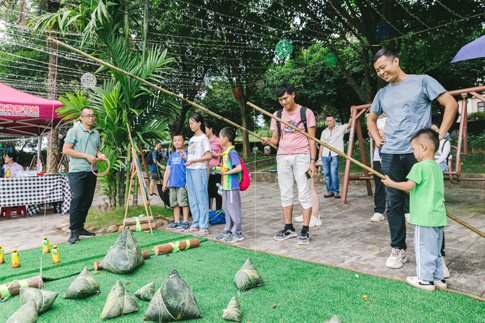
(428, 214)
(230, 184)
(176, 177)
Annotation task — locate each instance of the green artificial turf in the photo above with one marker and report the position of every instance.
(75, 257)
(294, 291)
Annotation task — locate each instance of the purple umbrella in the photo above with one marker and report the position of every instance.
(475, 49)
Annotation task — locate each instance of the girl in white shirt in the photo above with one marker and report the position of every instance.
(198, 175)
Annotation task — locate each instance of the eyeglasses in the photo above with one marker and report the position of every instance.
(89, 116)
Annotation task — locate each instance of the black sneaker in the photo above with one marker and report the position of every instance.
(85, 232)
(304, 237)
(285, 234)
(74, 238)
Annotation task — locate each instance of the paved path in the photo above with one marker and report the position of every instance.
(347, 237)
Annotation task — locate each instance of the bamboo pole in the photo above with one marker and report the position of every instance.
(451, 216)
(155, 86)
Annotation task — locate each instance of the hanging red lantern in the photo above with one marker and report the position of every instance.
(237, 93)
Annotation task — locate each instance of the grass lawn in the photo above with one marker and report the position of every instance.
(116, 215)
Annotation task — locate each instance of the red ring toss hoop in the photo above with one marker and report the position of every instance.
(106, 171)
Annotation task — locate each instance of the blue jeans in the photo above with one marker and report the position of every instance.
(427, 244)
(330, 169)
(397, 167)
(198, 197)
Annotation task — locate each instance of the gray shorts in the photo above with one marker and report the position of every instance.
(178, 197)
(154, 176)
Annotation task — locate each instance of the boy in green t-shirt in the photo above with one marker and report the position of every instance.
(428, 214)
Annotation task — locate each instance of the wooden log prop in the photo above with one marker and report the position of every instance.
(176, 246)
(132, 221)
(146, 255)
(143, 227)
(13, 288)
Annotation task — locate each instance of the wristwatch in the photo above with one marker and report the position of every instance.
(314, 159)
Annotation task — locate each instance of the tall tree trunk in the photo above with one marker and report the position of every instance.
(245, 135)
(128, 176)
(145, 31)
(126, 26)
(53, 142)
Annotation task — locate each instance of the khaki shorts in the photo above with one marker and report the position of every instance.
(178, 197)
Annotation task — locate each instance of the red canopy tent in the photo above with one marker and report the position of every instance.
(23, 114)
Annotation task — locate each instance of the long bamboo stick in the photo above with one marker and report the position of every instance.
(154, 86)
(451, 216)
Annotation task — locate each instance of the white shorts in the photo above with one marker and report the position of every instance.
(292, 168)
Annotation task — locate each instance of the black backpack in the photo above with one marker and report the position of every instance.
(149, 158)
(302, 120)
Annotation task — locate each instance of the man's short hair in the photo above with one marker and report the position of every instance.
(429, 136)
(157, 142)
(284, 88)
(330, 116)
(389, 52)
(178, 135)
(82, 110)
(229, 133)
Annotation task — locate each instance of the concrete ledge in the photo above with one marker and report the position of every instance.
(260, 163)
(268, 177)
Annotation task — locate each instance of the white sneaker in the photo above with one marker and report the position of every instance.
(314, 222)
(419, 283)
(377, 217)
(299, 218)
(440, 284)
(446, 272)
(407, 216)
(396, 259)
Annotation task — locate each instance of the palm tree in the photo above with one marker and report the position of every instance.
(122, 100)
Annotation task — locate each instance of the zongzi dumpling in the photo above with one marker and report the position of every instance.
(248, 276)
(174, 301)
(146, 292)
(124, 256)
(233, 311)
(83, 286)
(43, 298)
(26, 314)
(119, 302)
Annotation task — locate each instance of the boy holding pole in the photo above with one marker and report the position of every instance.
(428, 214)
(295, 159)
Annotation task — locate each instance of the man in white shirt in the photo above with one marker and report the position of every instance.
(334, 137)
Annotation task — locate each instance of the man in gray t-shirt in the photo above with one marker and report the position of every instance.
(406, 101)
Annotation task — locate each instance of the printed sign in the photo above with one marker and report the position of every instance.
(18, 110)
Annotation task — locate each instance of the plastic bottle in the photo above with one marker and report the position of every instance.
(2, 255)
(45, 244)
(15, 259)
(55, 255)
(7, 173)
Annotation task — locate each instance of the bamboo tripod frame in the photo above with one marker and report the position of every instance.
(451, 216)
(155, 86)
(134, 170)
